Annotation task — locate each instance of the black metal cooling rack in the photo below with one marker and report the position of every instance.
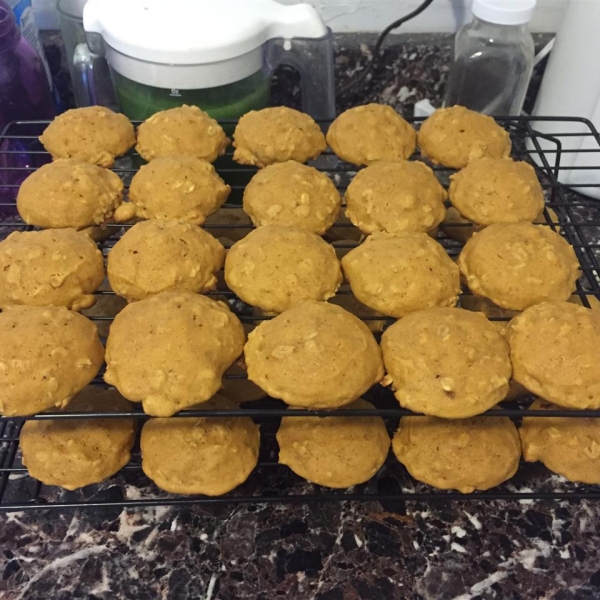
(575, 216)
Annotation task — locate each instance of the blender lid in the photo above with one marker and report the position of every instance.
(187, 32)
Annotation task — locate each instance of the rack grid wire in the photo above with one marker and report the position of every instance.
(576, 217)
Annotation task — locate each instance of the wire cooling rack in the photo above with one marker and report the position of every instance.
(575, 216)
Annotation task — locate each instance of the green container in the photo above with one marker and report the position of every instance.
(216, 55)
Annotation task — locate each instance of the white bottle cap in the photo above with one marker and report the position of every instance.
(504, 12)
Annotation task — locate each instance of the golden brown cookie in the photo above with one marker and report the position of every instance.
(466, 454)
(275, 268)
(59, 267)
(497, 190)
(336, 452)
(164, 255)
(69, 193)
(200, 455)
(93, 134)
(276, 134)
(515, 389)
(73, 453)
(182, 130)
(170, 351)
(490, 310)
(446, 362)
(395, 197)
(47, 355)
(455, 136)
(555, 353)
(314, 355)
(516, 265)
(290, 193)
(175, 187)
(399, 274)
(365, 134)
(566, 445)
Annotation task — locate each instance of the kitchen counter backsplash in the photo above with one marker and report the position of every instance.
(505, 550)
(412, 67)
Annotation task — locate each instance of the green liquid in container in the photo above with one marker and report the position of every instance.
(231, 101)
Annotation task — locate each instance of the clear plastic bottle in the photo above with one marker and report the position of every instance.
(493, 58)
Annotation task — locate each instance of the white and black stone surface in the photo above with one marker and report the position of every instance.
(461, 550)
(327, 551)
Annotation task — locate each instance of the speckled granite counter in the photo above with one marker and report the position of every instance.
(327, 552)
(401, 550)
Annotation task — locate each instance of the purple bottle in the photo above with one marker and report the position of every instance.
(24, 95)
(24, 90)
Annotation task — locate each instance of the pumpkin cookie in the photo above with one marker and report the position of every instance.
(175, 187)
(291, 193)
(555, 353)
(365, 134)
(59, 267)
(446, 362)
(491, 311)
(276, 134)
(164, 255)
(314, 355)
(568, 446)
(516, 265)
(73, 453)
(275, 268)
(48, 354)
(497, 190)
(395, 197)
(466, 454)
(399, 274)
(336, 452)
(170, 351)
(93, 134)
(182, 130)
(200, 455)
(69, 193)
(455, 136)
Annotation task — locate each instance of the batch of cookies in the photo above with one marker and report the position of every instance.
(171, 344)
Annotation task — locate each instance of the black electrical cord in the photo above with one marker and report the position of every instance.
(365, 72)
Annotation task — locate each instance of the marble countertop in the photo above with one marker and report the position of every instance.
(459, 550)
(462, 550)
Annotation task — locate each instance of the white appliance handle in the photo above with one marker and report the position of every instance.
(299, 20)
(571, 87)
